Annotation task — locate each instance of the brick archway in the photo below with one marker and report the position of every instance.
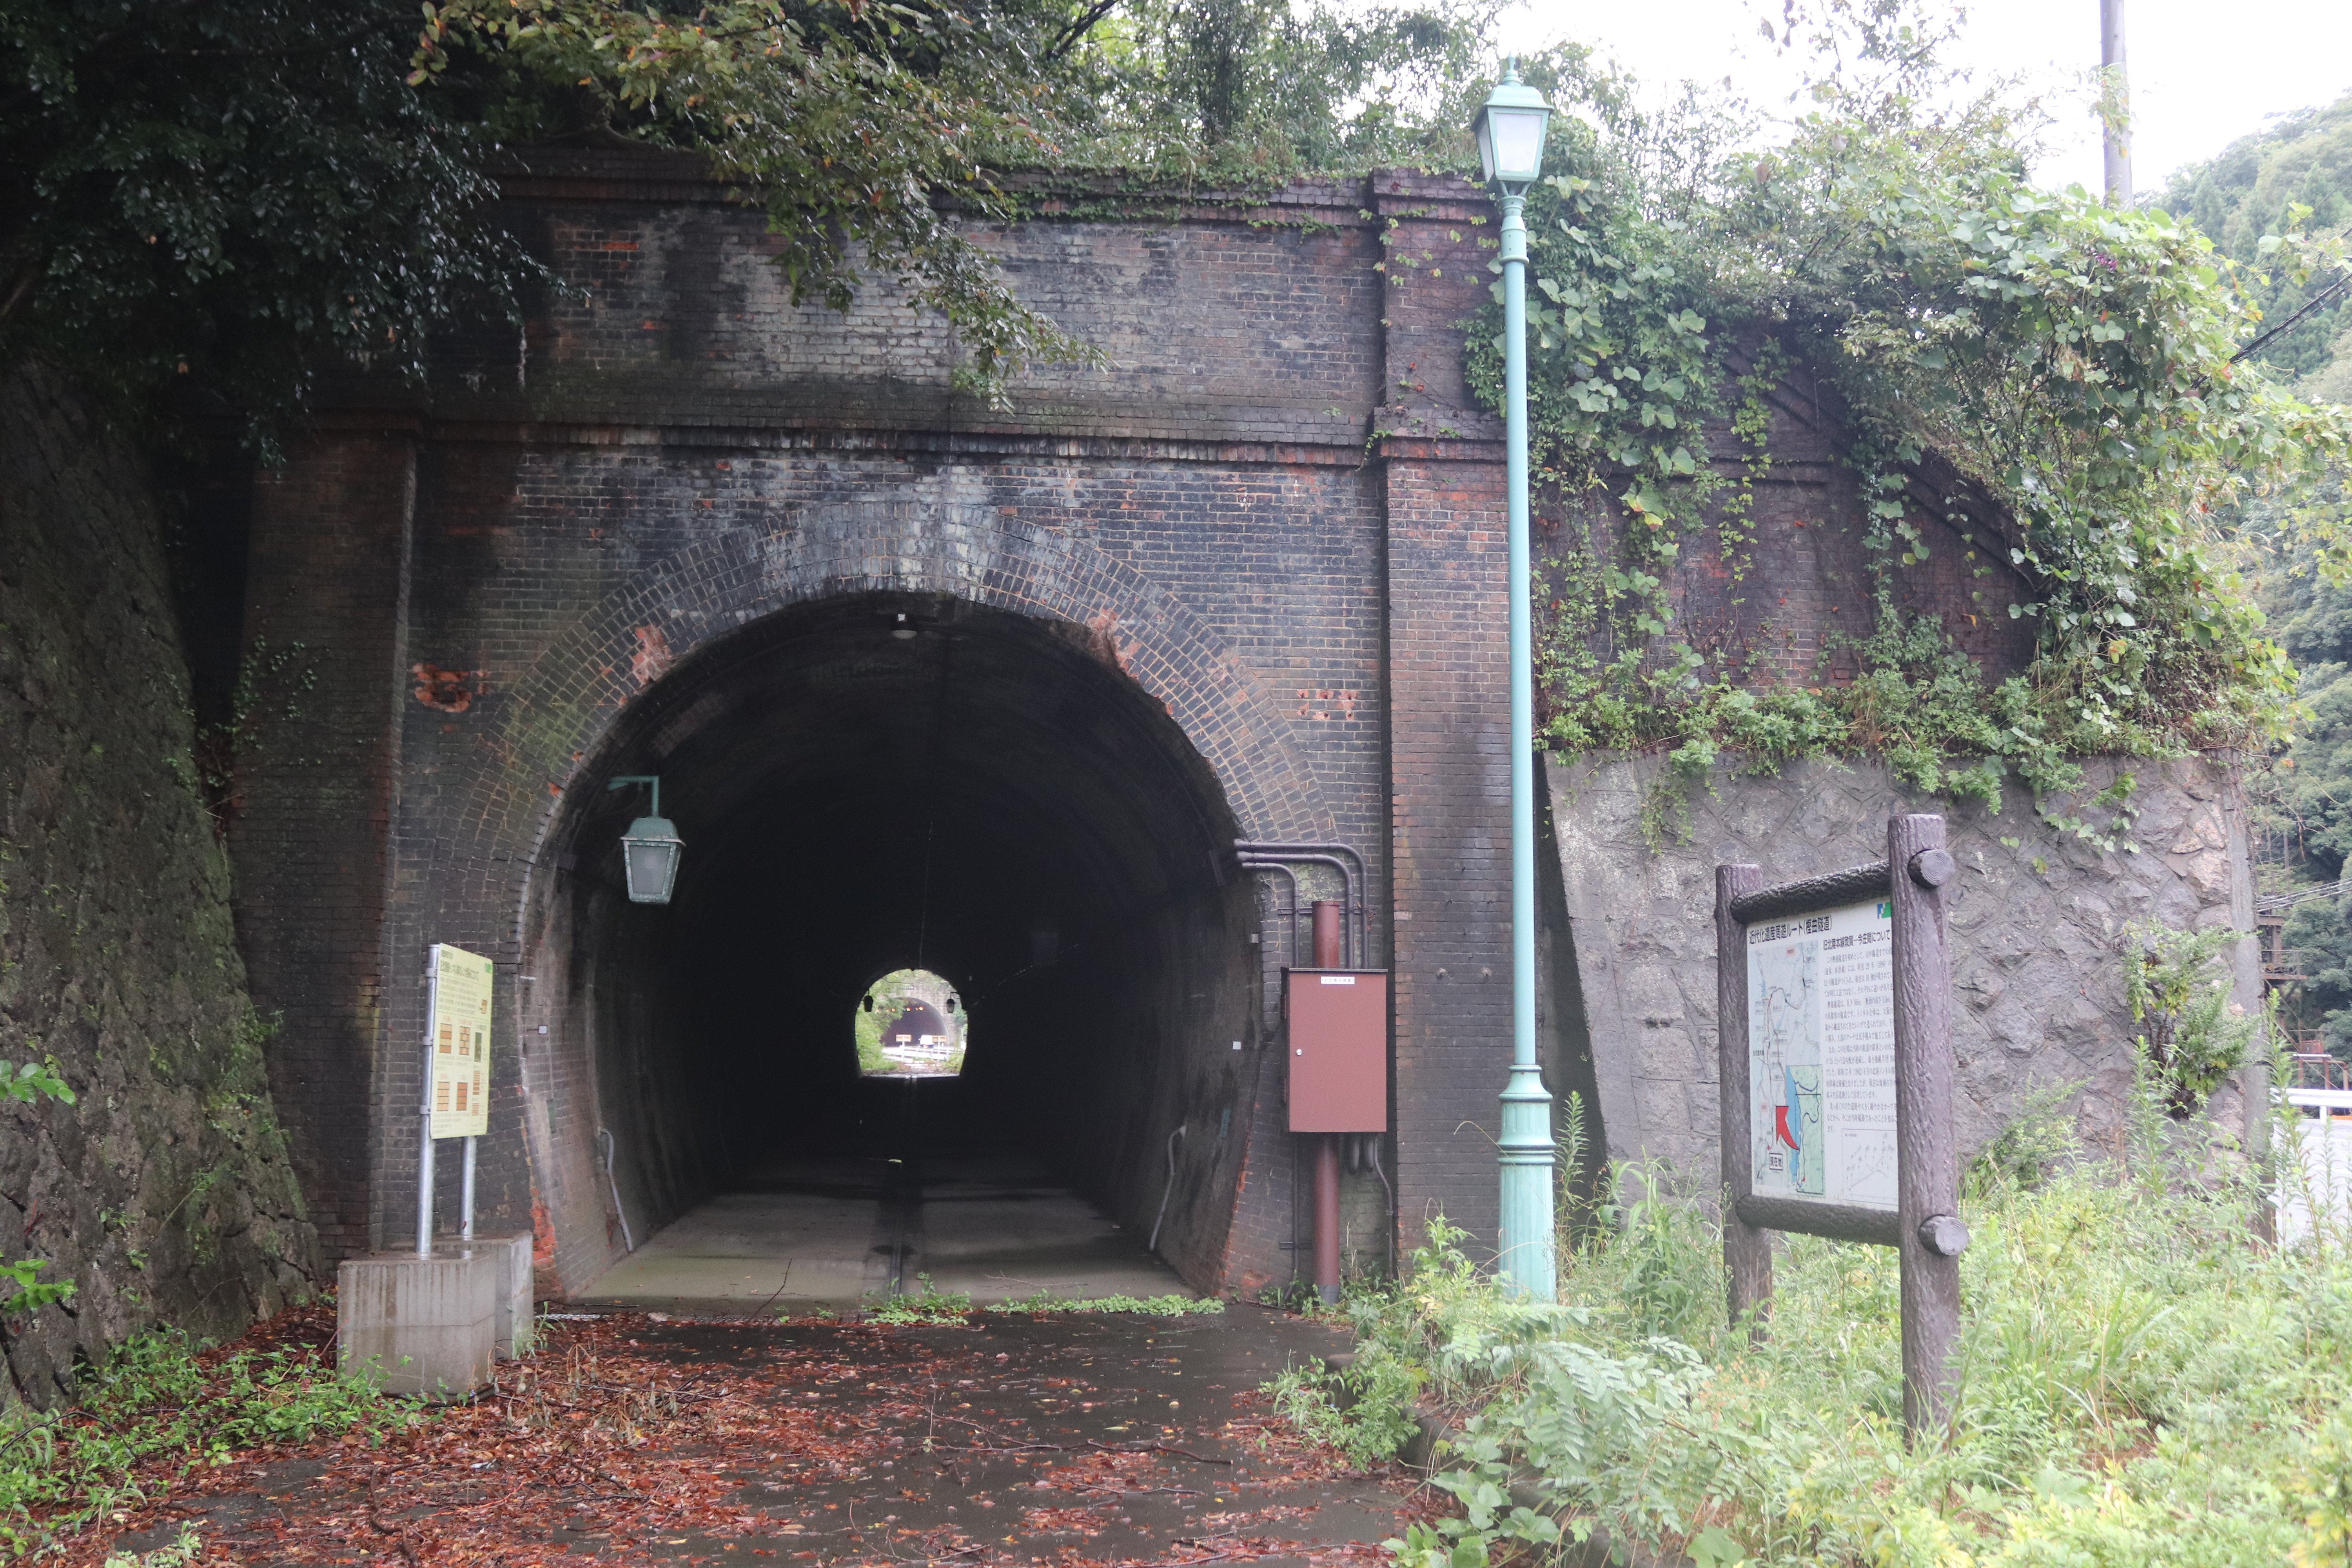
(558, 715)
(641, 668)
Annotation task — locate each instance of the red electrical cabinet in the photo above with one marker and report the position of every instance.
(1338, 1050)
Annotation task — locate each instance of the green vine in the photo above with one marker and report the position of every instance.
(2051, 383)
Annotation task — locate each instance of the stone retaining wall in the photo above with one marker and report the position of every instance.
(165, 1193)
(2038, 922)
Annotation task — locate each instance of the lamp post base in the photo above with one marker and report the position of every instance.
(1527, 1257)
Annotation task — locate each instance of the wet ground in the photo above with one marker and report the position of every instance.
(1019, 1439)
(840, 1231)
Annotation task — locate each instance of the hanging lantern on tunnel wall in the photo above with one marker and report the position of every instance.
(650, 850)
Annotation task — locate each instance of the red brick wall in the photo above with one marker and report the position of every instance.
(327, 585)
(1274, 508)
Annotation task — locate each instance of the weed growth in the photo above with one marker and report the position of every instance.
(932, 1306)
(2142, 1381)
(186, 1549)
(2191, 1035)
(30, 1083)
(927, 1305)
(157, 1411)
(1152, 1306)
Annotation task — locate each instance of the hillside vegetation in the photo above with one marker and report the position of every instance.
(2141, 1385)
(2303, 803)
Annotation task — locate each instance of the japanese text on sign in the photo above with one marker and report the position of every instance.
(459, 1031)
(1820, 1052)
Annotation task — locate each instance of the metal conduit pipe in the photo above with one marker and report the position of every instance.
(1352, 915)
(1289, 865)
(1153, 1245)
(1349, 872)
(1290, 927)
(1254, 857)
(604, 1142)
(1372, 1152)
(1267, 847)
(1289, 914)
(1355, 880)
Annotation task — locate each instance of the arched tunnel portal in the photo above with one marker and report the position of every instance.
(883, 782)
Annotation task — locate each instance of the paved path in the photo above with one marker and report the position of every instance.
(1062, 1440)
(839, 1233)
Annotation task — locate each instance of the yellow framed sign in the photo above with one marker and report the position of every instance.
(458, 1015)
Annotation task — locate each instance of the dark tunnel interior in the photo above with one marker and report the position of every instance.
(889, 782)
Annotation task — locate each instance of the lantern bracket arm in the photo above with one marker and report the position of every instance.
(626, 779)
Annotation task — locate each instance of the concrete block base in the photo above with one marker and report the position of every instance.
(424, 1327)
(510, 1255)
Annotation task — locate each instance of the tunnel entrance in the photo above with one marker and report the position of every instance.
(868, 785)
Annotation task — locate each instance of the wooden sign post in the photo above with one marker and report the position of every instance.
(1834, 1006)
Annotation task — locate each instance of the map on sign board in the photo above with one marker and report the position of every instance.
(459, 1030)
(1820, 1056)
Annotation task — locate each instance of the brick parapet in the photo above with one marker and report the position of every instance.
(1450, 782)
(316, 778)
(1278, 505)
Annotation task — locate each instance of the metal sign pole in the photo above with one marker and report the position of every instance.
(425, 1108)
(467, 1233)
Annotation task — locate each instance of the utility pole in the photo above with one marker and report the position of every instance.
(2115, 102)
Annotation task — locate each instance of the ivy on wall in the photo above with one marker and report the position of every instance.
(2075, 366)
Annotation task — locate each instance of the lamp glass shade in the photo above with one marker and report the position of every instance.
(1510, 128)
(1511, 141)
(650, 851)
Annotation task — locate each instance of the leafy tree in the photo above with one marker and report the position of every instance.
(206, 196)
(2297, 173)
(2300, 169)
(201, 201)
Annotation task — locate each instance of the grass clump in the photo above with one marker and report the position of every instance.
(1150, 1306)
(936, 1308)
(161, 1408)
(927, 1305)
(2141, 1381)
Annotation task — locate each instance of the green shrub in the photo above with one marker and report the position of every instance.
(2140, 1383)
(157, 1409)
(2191, 1035)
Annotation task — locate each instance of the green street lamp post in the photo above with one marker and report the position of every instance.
(1510, 130)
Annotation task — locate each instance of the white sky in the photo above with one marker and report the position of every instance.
(2202, 75)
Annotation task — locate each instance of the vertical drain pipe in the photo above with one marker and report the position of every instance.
(1330, 921)
(1153, 1245)
(605, 1143)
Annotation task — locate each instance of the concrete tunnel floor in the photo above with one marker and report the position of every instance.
(839, 1232)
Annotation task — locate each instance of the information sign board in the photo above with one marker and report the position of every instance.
(1820, 1054)
(458, 1031)
(1834, 1001)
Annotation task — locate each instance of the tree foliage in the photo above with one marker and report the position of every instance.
(203, 201)
(2255, 188)
(206, 196)
(2300, 171)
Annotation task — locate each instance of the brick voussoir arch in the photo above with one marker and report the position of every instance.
(565, 707)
